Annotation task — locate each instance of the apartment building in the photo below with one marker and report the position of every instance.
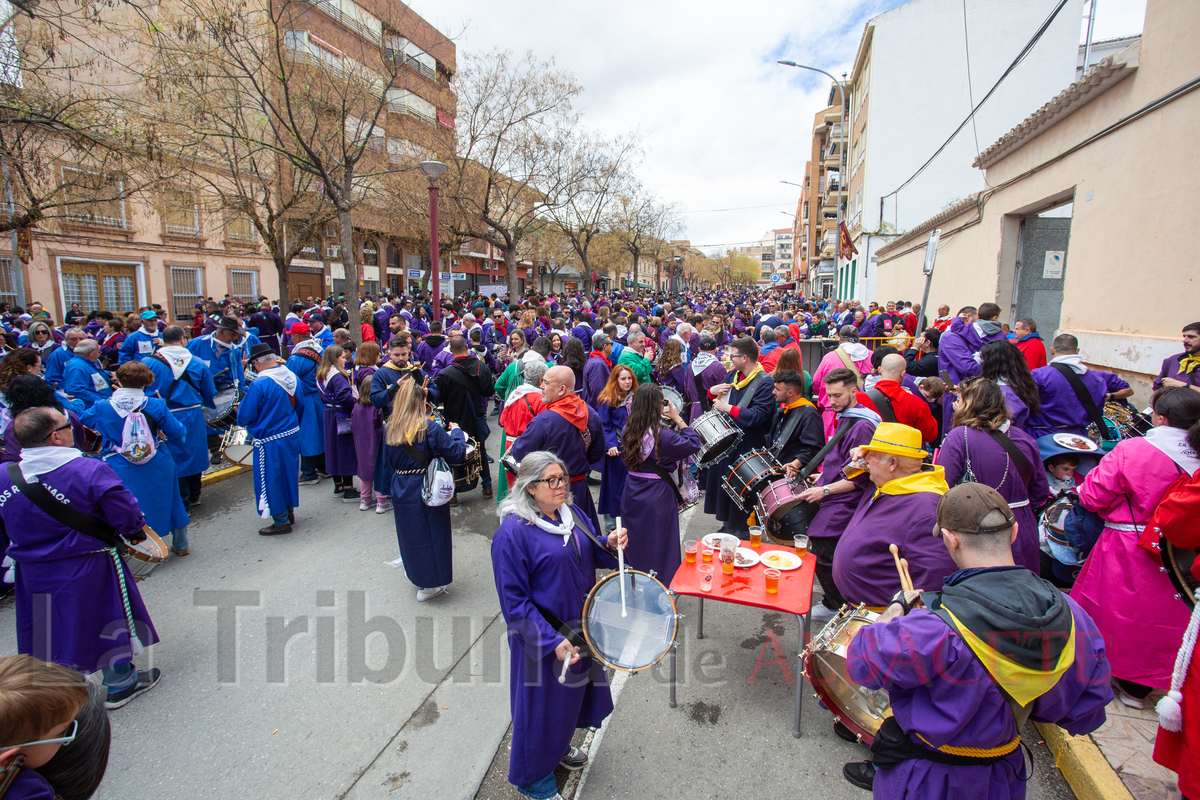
(822, 181)
(800, 231)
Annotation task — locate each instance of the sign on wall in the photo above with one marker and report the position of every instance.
(1053, 268)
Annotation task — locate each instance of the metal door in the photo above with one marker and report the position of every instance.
(1041, 269)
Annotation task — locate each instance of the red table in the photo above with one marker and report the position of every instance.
(747, 587)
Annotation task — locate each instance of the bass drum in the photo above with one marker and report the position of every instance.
(466, 473)
(237, 447)
(142, 558)
(674, 398)
(860, 709)
(794, 523)
(225, 412)
(749, 476)
(1182, 568)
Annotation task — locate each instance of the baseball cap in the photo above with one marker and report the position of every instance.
(300, 328)
(973, 508)
(708, 343)
(147, 314)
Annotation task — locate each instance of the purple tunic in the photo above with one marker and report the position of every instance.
(81, 616)
(650, 512)
(595, 375)
(339, 402)
(965, 708)
(551, 431)
(1061, 411)
(956, 355)
(366, 420)
(993, 467)
(584, 334)
(837, 509)
(612, 470)
(1018, 411)
(1171, 369)
(530, 566)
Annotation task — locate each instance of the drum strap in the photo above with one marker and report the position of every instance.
(1084, 397)
(568, 633)
(61, 512)
(665, 476)
(816, 460)
(705, 406)
(1018, 458)
(883, 404)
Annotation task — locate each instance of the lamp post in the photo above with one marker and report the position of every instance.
(434, 170)
(837, 241)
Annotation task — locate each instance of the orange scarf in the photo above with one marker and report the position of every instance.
(572, 409)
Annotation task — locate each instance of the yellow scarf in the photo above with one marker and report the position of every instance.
(931, 481)
(1188, 364)
(744, 382)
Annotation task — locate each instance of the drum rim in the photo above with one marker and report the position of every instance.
(1175, 574)
(587, 604)
(810, 672)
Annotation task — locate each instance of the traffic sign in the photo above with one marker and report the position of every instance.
(776, 277)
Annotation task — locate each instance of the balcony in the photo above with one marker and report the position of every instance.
(333, 10)
(88, 218)
(411, 62)
(175, 229)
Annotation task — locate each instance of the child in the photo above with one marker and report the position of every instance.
(1060, 472)
(932, 389)
(38, 706)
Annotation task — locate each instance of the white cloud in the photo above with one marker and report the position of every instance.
(721, 121)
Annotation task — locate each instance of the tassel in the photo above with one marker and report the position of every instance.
(1170, 714)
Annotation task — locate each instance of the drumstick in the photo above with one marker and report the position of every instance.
(562, 676)
(621, 569)
(895, 551)
(905, 578)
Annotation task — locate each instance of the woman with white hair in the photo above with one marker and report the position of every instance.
(544, 556)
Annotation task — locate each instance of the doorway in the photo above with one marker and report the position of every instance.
(1041, 268)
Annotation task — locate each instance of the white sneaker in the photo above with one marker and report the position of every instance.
(428, 594)
(366, 506)
(383, 508)
(821, 615)
(397, 562)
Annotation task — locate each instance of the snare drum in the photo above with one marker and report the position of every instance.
(860, 709)
(718, 435)
(674, 398)
(237, 447)
(143, 558)
(777, 498)
(225, 413)
(510, 463)
(636, 642)
(749, 475)
(467, 472)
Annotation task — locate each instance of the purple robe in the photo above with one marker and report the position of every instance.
(1018, 411)
(68, 596)
(650, 512)
(595, 375)
(339, 403)
(366, 421)
(1061, 411)
(583, 333)
(837, 509)
(1171, 369)
(710, 376)
(992, 466)
(551, 431)
(427, 350)
(531, 566)
(963, 706)
(612, 470)
(956, 355)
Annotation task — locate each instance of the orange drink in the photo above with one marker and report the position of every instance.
(756, 536)
(726, 564)
(689, 554)
(801, 543)
(706, 553)
(772, 578)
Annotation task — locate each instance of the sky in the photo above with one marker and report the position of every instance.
(721, 122)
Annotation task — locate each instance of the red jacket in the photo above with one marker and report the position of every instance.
(1034, 351)
(771, 359)
(909, 409)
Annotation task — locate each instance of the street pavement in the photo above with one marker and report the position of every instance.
(303, 666)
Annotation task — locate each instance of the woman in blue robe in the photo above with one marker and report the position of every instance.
(164, 510)
(613, 409)
(333, 386)
(423, 531)
(545, 553)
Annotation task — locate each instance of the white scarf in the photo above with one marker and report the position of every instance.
(1074, 361)
(126, 401)
(283, 376)
(1173, 444)
(177, 358)
(519, 392)
(312, 344)
(37, 461)
(856, 351)
(702, 361)
(564, 528)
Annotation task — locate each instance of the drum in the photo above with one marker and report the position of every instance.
(718, 435)
(794, 523)
(225, 413)
(143, 558)
(467, 472)
(237, 447)
(636, 642)
(510, 463)
(436, 415)
(778, 498)
(1182, 568)
(674, 398)
(859, 709)
(92, 441)
(749, 475)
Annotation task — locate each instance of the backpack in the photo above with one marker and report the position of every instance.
(438, 486)
(137, 438)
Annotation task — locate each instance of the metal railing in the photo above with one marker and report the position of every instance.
(86, 218)
(336, 13)
(181, 230)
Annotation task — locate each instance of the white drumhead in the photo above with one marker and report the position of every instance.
(240, 454)
(642, 638)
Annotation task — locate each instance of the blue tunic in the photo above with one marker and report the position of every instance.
(85, 381)
(224, 362)
(267, 411)
(53, 366)
(612, 470)
(138, 346)
(309, 406)
(530, 566)
(193, 389)
(423, 531)
(149, 482)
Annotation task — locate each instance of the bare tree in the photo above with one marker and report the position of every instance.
(643, 225)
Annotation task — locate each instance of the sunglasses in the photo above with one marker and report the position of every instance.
(63, 740)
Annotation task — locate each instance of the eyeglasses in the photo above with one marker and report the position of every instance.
(63, 740)
(554, 482)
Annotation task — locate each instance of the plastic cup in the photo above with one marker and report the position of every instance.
(727, 562)
(801, 544)
(689, 552)
(772, 579)
(706, 553)
(756, 533)
(706, 577)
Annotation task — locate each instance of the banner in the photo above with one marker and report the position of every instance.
(848, 248)
(24, 245)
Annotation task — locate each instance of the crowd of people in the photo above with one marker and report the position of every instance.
(900, 427)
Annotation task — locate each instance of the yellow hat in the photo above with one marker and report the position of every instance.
(896, 439)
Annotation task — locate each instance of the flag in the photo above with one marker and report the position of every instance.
(848, 248)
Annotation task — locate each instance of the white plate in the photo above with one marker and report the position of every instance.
(751, 558)
(713, 540)
(789, 560)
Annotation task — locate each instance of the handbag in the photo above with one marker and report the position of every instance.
(438, 486)
(344, 427)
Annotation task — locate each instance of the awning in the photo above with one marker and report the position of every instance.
(784, 286)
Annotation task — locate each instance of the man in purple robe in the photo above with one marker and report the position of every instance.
(1183, 369)
(996, 646)
(76, 602)
(958, 348)
(583, 329)
(597, 368)
(1061, 411)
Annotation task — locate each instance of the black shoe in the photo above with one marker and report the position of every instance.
(274, 530)
(496, 411)
(214, 458)
(860, 773)
(574, 760)
(146, 680)
(844, 733)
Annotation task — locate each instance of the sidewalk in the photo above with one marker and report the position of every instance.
(1126, 741)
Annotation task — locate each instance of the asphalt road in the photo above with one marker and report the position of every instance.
(303, 666)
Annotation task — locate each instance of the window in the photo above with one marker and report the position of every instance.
(93, 198)
(181, 215)
(10, 282)
(402, 101)
(100, 287)
(238, 227)
(370, 254)
(243, 283)
(187, 289)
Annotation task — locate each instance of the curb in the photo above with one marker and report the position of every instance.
(209, 478)
(1085, 768)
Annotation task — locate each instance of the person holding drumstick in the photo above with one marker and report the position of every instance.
(544, 558)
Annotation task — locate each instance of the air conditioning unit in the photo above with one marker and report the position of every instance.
(333, 251)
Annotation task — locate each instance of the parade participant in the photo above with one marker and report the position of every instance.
(99, 621)
(1181, 369)
(220, 353)
(569, 428)
(133, 428)
(464, 386)
(366, 422)
(366, 319)
(1061, 411)
(922, 357)
(1131, 599)
(896, 404)
(1003, 363)
(583, 330)
(705, 372)
(395, 324)
(613, 410)
(527, 324)
(319, 330)
(83, 377)
(899, 510)
(497, 332)
(110, 340)
(849, 355)
(303, 362)
(270, 410)
(984, 447)
(797, 433)
(40, 338)
(386, 380)
(270, 327)
(520, 407)
(429, 348)
(958, 348)
(186, 384)
(1030, 343)
(838, 496)
(557, 339)
(634, 356)
(598, 368)
(337, 395)
(996, 646)
(673, 372)
(534, 571)
(412, 440)
(57, 361)
(783, 341)
(748, 396)
(141, 344)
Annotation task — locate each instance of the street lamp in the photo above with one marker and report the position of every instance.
(837, 241)
(434, 170)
